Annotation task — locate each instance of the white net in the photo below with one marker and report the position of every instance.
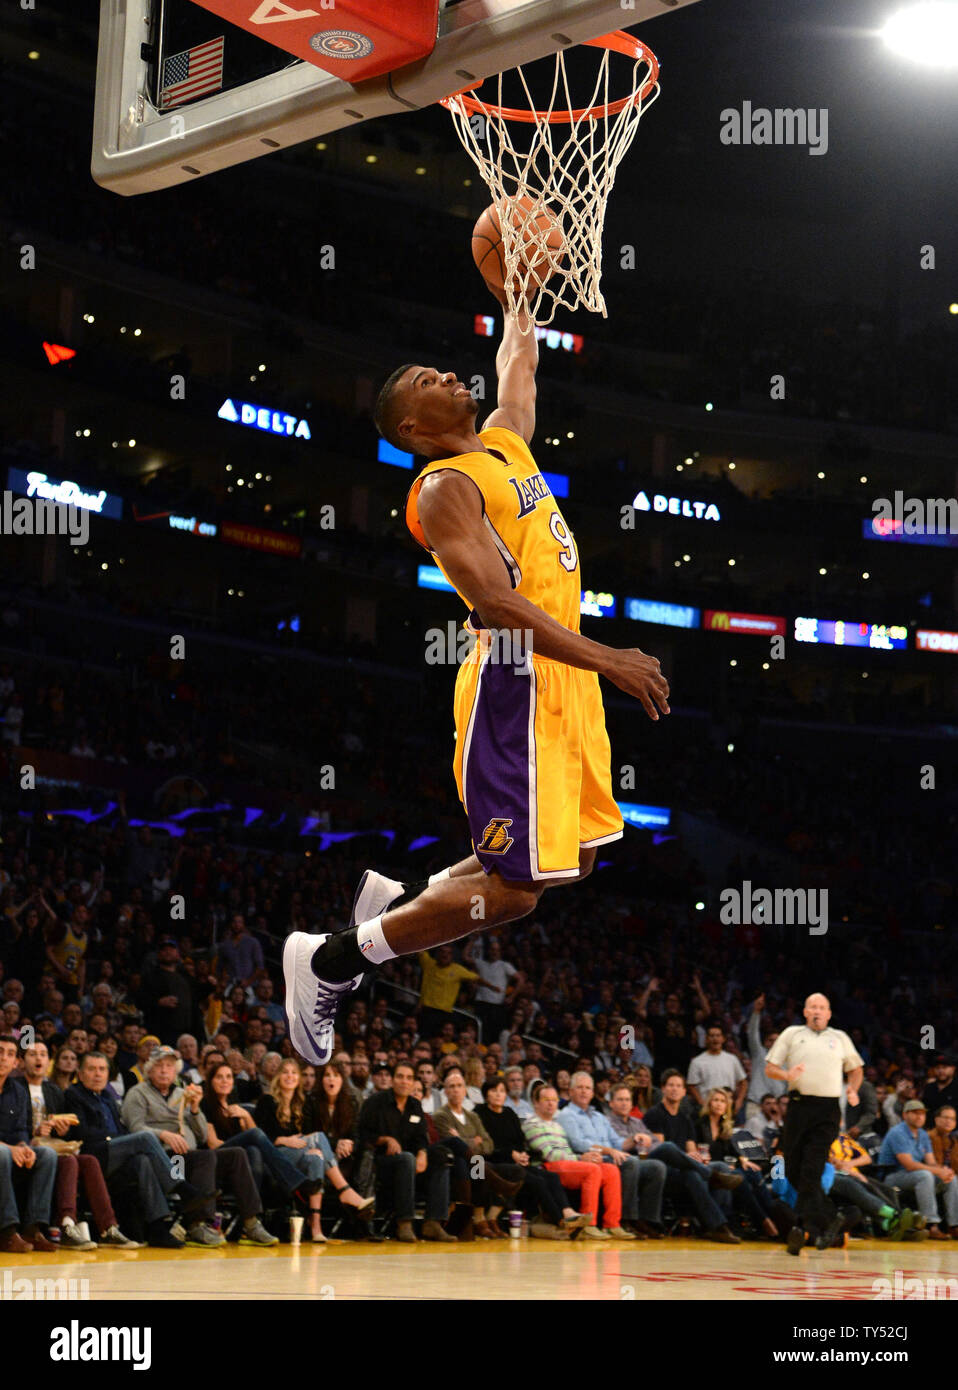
(550, 166)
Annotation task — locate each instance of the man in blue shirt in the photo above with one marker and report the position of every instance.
(589, 1133)
(26, 1173)
(906, 1150)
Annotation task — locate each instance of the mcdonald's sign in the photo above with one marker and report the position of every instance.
(754, 624)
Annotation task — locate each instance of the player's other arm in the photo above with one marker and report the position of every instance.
(516, 363)
(450, 511)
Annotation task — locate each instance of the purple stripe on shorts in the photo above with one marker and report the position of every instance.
(496, 771)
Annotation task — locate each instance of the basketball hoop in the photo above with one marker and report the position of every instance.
(522, 155)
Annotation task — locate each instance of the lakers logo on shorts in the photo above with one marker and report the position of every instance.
(495, 837)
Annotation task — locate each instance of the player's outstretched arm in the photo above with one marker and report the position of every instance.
(516, 363)
(450, 511)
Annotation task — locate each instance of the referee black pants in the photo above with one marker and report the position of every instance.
(811, 1127)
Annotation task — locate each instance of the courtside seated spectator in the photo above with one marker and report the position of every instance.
(764, 1122)
(232, 1125)
(515, 1097)
(27, 1174)
(907, 1156)
(462, 1132)
(669, 1120)
(550, 1144)
(944, 1140)
(173, 1114)
(142, 1156)
(392, 1123)
(52, 1121)
(283, 1117)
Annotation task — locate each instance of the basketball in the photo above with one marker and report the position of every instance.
(541, 238)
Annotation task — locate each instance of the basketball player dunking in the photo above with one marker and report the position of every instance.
(532, 760)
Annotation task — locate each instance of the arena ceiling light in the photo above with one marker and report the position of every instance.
(926, 33)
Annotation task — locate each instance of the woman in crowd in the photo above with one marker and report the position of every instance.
(280, 1115)
(110, 1047)
(63, 1073)
(555, 1217)
(230, 1125)
(330, 1109)
(714, 1132)
(563, 1081)
(645, 1095)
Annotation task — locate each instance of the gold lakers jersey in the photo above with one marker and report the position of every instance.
(523, 519)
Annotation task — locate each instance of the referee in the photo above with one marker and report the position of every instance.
(814, 1060)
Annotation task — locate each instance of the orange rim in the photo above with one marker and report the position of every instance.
(618, 42)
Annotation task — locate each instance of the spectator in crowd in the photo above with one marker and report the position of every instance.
(27, 1173)
(765, 1123)
(361, 1078)
(344, 1062)
(550, 1143)
(670, 1121)
(861, 1118)
(392, 1123)
(878, 1202)
(893, 1106)
(715, 1068)
(590, 1132)
(433, 1098)
(67, 943)
(498, 978)
(908, 1158)
(173, 1114)
(645, 1095)
(145, 1048)
(282, 1117)
(442, 977)
(715, 1128)
(759, 1085)
(556, 1218)
(463, 1133)
(186, 1045)
(231, 1124)
(944, 1140)
(333, 1109)
(382, 1077)
(142, 1156)
(515, 1097)
(166, 997)
(63, 1073)
(943, 1090)
(52, 1122)
(240, 955)
(672, 1028)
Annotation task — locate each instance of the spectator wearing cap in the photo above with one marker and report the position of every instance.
(382, 1077)
(165, 995)
(144, 1051)
(174, 1115)
(909, 1157)
(943, 1090)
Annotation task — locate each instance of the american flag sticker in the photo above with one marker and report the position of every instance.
(192, 74)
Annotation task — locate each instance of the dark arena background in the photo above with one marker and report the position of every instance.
(229, 691)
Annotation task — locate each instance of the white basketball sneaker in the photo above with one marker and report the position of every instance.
(373, 896)
(311, 1004)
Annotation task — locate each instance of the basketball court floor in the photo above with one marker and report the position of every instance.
(525, 1269)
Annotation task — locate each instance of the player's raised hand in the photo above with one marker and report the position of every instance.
(640, 675)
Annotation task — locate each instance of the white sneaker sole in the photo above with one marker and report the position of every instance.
(301, 989)
(373, 896)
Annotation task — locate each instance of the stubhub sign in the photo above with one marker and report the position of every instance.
(260, 417)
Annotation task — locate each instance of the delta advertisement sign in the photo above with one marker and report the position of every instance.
(756, 624)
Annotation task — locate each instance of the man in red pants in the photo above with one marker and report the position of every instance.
(549, 1141)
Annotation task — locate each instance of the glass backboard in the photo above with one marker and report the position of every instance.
(155, 125)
